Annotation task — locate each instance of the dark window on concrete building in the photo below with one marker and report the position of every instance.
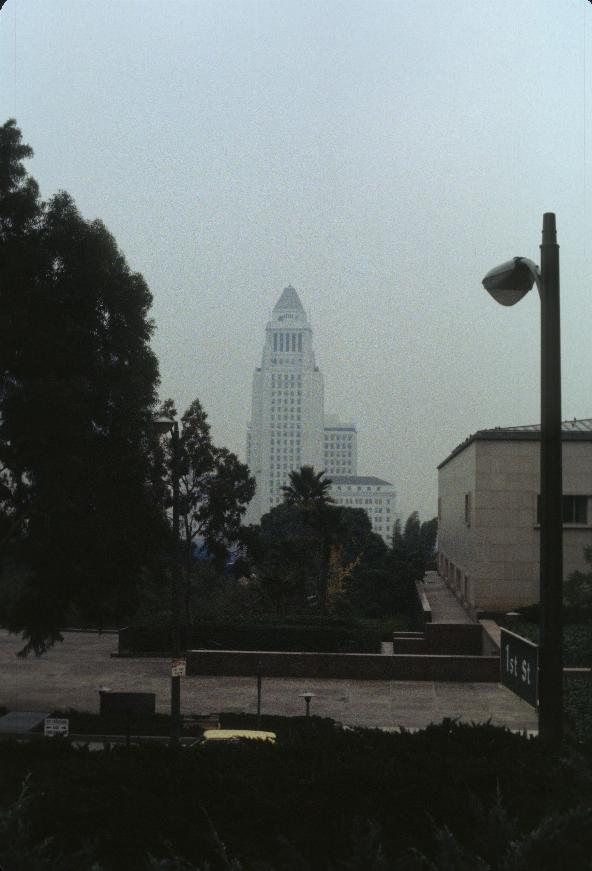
(468, 509)
(575, 510)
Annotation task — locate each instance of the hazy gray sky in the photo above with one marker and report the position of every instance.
(381, 157)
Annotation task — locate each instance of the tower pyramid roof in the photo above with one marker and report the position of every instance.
(289, 301)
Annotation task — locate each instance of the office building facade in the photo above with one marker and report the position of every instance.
(488, 514)
(340, 447)
(375, 496)
(288, 428)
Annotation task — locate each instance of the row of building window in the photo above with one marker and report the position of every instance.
(574, 509)
(359, 501)
(349, 488)
(287, 341)
(285, 380)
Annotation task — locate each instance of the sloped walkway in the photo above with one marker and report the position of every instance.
(445, 606)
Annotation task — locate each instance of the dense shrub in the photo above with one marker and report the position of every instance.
(321, 635)
(324, 798)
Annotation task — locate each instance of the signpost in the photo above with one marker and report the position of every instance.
(53, 726)
(519, 664)
(179, 668)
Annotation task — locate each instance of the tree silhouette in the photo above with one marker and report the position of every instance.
(214, 490)
(78, 379)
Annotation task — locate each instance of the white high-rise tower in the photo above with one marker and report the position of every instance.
(286, 428)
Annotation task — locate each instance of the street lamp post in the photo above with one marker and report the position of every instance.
(507, 284)
(307, 697)
(164, 425)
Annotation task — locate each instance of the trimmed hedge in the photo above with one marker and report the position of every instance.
(324, 636)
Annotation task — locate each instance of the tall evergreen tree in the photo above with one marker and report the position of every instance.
(77, 392)
(428, 535)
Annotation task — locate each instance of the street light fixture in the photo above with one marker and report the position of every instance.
(307, 697)
(508, 283)
(164, 425)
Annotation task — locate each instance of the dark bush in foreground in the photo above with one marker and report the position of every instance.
(325, 798)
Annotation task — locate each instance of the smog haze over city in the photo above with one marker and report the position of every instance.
(380, 157)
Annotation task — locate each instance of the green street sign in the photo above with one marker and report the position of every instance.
(519, 666)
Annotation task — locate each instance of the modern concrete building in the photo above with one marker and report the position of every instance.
(488, 530)
(340, 447)
(375, 496)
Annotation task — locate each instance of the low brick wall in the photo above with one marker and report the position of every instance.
(443, 639)
(405, 643)
(354, 666)
(454, 638)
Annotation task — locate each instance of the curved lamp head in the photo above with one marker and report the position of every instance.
(163, 425)
(510, 281)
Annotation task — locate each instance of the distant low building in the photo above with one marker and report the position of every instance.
(340, 447)
(375, 496)
(488, 513)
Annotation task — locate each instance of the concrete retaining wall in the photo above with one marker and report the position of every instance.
(440, 639)
(454, 638)
(425, 610)
(407, 644)
(354, 666)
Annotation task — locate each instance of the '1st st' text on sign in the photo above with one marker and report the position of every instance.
(519, 664)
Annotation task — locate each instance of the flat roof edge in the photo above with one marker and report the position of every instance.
(501, 435)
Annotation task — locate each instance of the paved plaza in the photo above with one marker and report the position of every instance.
(71, 674)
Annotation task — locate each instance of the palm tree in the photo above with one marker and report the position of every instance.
(310, 491)
(307, 488)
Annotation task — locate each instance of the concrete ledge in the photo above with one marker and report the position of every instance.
(426, 611)
(491, 637)
(353, 666)
(415, 646)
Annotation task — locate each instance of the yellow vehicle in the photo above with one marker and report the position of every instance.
(233, 736)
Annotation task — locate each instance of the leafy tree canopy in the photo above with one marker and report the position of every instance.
(77, 391)
(215, 487)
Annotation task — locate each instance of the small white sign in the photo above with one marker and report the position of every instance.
(55, 726)
(179, 668)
